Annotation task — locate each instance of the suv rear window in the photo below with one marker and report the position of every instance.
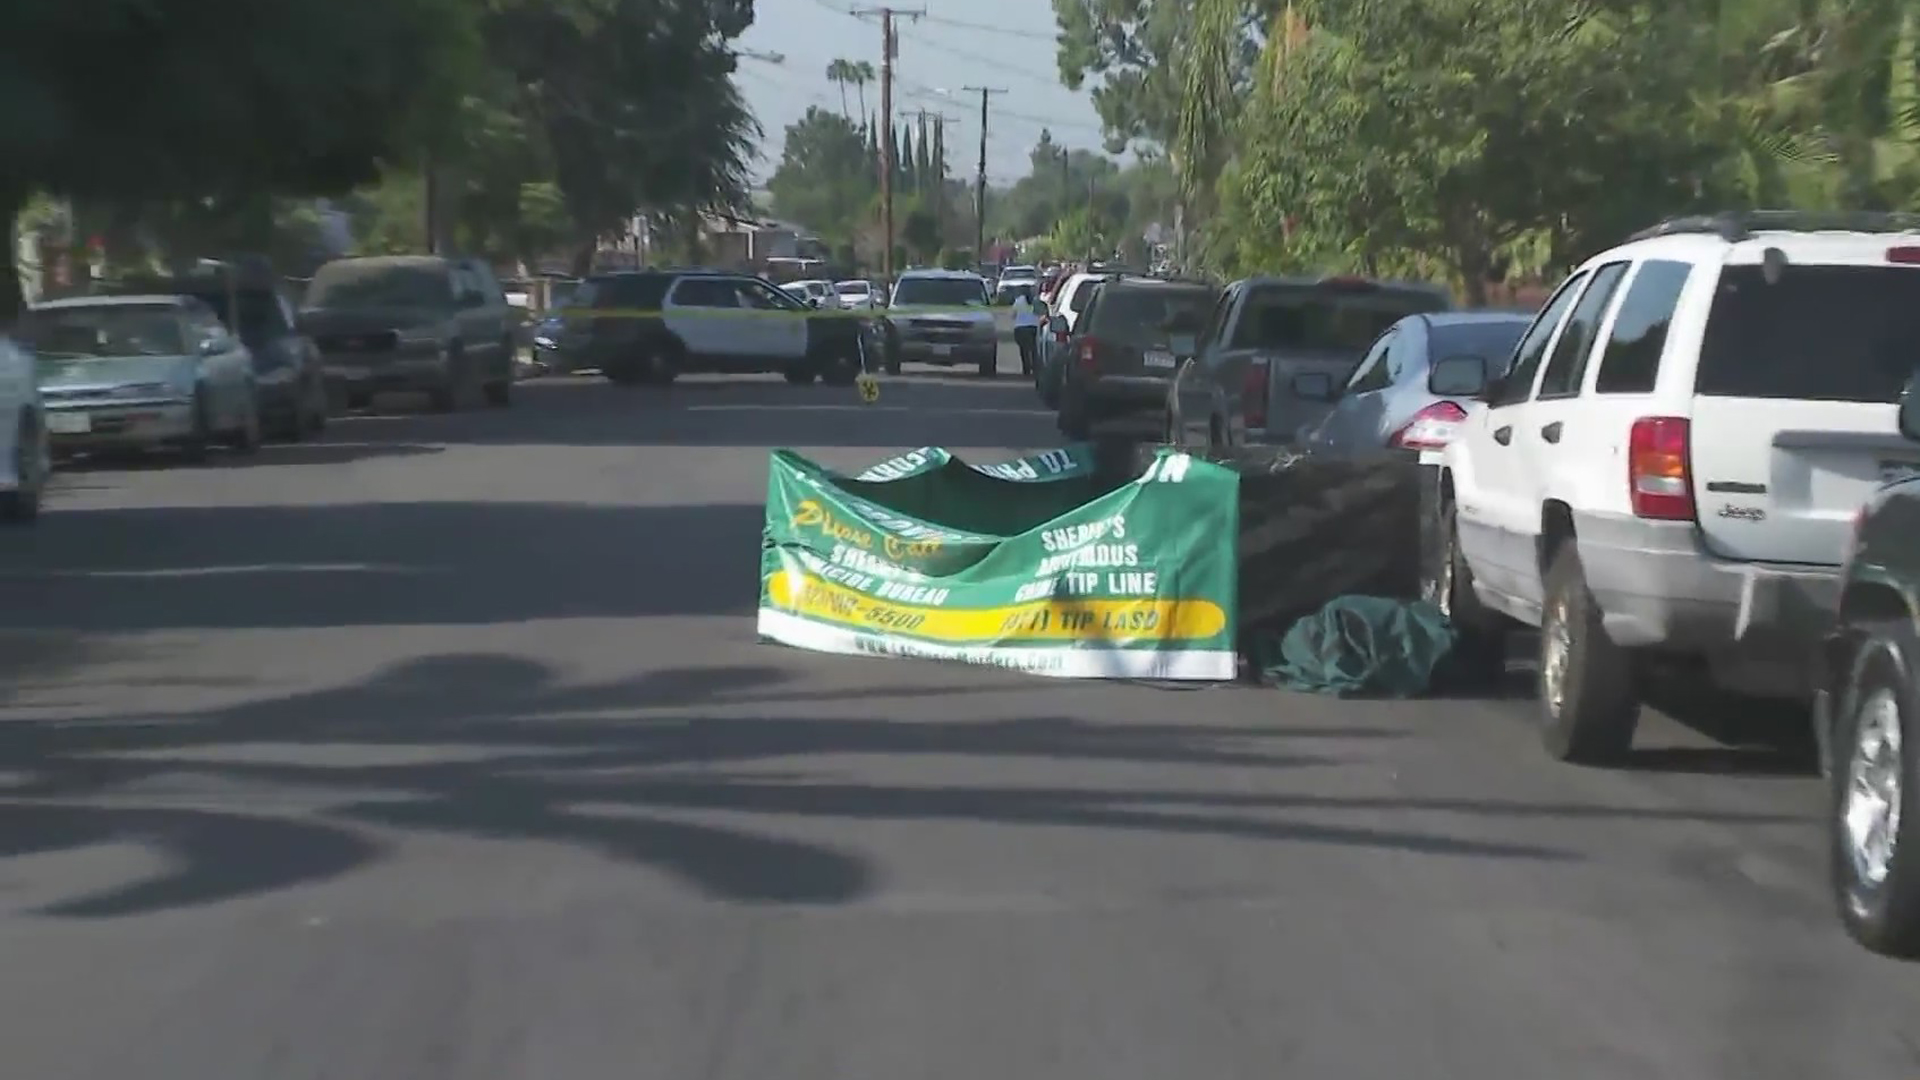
(645, 292)
(1138, 313)
(1326, 320)
(1077, 300)
(1823, 333)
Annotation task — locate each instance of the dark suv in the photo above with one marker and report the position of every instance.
(413, 323)
(1130, 339)
(1867, 700)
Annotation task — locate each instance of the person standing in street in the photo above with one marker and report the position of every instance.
(1026, 330)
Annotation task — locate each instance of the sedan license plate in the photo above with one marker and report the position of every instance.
(1892, 472)
(1159, 358)
(942, 350)
(69, 423)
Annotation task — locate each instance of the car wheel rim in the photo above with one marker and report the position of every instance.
(1871, 817)
(1556, 646)
(1436, 588)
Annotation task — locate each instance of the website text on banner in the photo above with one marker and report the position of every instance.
(935, 558)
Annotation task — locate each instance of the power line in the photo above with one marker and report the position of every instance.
(989, 62)
(978, 28)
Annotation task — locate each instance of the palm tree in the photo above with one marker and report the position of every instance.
(862, 75)
(841, 73)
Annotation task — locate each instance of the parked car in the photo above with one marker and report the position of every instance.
(26, 458)
(1866, 702)
(1270, 348)
(651, 326)
(815, 293)
(1070, 300)
(141, 372)
(941, 317)
(857, 295)
(1134, 333)
(421, 323)
(1667, 476)
(254, 303)
(1415, 386)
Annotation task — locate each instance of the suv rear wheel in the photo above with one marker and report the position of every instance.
(1587, 700)
(1875, 769)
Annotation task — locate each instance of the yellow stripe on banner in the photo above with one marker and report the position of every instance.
(1145, 619)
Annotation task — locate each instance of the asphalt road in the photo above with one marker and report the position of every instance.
(444, 749)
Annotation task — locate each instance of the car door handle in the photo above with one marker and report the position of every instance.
(1503, 436)
(1551, 432)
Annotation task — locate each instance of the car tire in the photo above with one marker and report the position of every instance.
(499, 394)
(193, 449)
(1588, 704)
(1479, 657)
(246, 438)
(662, 365)
(1876, 888)
(33, 461)
(890, 347)
(842, 369)
(313, 419)
(989, 366)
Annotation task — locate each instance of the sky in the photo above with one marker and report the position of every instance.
(1003, 44)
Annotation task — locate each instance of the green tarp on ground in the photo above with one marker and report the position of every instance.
(1038, 564)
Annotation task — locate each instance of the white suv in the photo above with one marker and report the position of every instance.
(1671, 469)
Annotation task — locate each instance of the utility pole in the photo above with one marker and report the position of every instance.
(980, 193)
(889, 48)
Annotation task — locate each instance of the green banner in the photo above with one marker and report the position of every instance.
(1031, 564)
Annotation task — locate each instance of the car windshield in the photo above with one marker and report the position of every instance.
(85, 333)
(940, 292)
(854, 288)
(1822, 333)
(356, 284)
(1491, 341)
(1318, 320)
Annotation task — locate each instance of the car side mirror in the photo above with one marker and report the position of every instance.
(1909, 414)
(1458, 377)
(211, 347)
(1313, 386)
(1057, 324)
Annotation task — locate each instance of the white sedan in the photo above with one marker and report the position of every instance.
(25, 459)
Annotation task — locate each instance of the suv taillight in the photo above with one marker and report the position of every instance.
(1253, 395)
(1431, 428)
(1659, 482)
(1089, 354)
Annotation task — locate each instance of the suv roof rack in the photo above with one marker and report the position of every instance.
(1734, 226)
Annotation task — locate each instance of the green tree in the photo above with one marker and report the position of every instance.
(296, 95)
(636, 102)
(825, 179)
(1457, 128)
(1134, 48)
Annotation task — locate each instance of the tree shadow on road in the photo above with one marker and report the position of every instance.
(377, 564)
(496, 747)
(759, 413)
